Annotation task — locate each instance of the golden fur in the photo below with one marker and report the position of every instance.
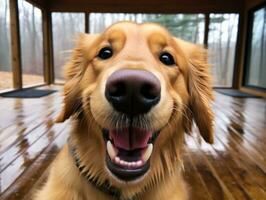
(186, 95)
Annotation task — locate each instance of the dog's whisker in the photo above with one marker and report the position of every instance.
(122, 121)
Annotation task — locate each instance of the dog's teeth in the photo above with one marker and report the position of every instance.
(124, 163)
(133, 164)
(139, 163)
(147, 153)
(111, 150)
(117, 159)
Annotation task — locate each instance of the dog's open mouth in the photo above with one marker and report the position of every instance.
(128, 151)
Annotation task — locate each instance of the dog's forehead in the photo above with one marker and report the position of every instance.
(132, 29)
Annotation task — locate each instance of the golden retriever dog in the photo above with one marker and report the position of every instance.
(132, 93)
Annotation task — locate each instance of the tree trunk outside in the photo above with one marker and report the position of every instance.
(262, 63)
(226, 67)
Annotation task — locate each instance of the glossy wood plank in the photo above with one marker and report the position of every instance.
(24, 185)
(197, 187)
(242, 160)
(234, 167)
(237, 178)
(215, 184)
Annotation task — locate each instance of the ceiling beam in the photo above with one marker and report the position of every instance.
(148, 6)
(42, 4)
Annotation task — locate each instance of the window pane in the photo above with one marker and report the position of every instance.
(66, 27)
(5, 55)
(186, 26)
(31, 38)
(222, 44)
(256, 66)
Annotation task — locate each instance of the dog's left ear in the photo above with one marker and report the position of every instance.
(74, 69)
(200, 89)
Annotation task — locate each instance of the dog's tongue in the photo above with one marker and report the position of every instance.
(130, 138)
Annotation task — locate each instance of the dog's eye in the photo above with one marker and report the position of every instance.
(167, 59)
(105, 53)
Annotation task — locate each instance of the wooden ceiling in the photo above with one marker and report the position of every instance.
(141, 6)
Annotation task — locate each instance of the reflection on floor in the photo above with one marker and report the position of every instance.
(233, 168)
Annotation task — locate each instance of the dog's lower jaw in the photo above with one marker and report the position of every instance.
(70, 184)
(173, 187)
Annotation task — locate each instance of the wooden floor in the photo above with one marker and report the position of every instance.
(233, 168)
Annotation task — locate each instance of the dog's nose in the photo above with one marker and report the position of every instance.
(133, 91)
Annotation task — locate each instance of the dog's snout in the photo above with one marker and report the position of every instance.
(133, 91)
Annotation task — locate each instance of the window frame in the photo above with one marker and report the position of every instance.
(248, 44)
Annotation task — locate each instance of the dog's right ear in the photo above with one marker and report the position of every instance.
(200, 90)
(74, 70)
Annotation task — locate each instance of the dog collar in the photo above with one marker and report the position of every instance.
(106, 187)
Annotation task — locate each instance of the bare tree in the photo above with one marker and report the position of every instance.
(33, 64)
(225, 64)
(220, 58)
(4, 38)
(196, 30)
(262, 63)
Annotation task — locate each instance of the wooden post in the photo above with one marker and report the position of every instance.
(206, 29)
(48, 47)
(15, 45)
(87, 22)
(240, 44)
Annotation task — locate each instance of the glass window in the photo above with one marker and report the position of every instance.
(31, 38)
(186, 26)
(221, 44)
(5, 48)
(66, 27)
(256, 62)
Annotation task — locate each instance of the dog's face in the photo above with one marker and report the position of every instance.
(139, 89)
